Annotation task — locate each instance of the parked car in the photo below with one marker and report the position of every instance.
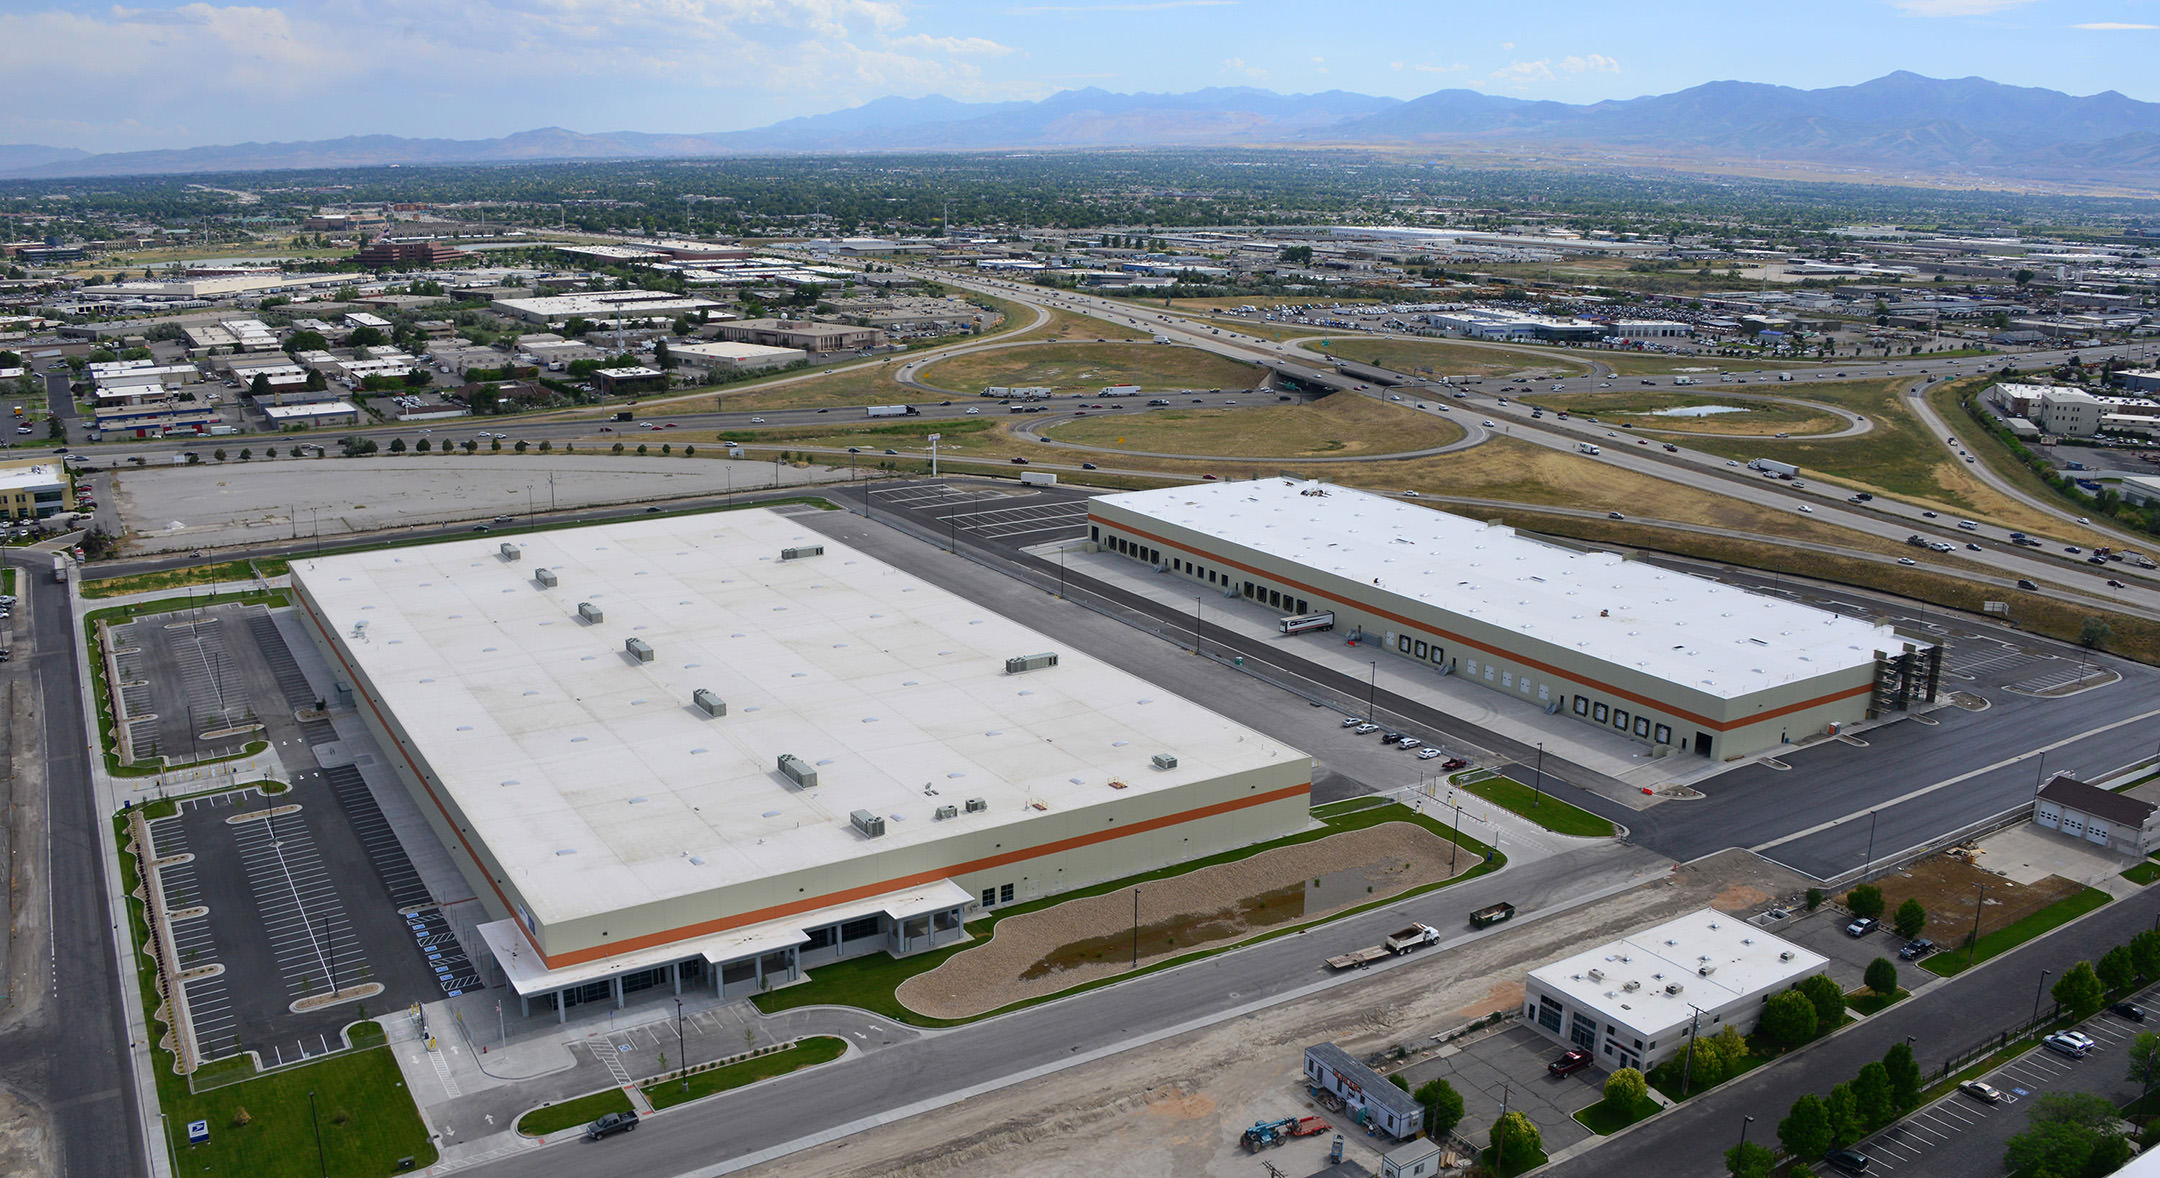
(1860, 927)
(2129, 1010)
(1914, 950)
(1366, 728)
(1850, 1161)
(611, 1124)
(2068, 1043)
(1427, 754)
(1455, 763)
(1569, 1064)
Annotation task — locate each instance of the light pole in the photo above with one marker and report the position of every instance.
(682, 1050)
(1372, 693)
(1972, 950)
(1196, 623)
(1457, 843)
(320, 1164)
(1537, 789)
(1744, 1123)
(1136, 928)
(2038, 992)
(1869, 865)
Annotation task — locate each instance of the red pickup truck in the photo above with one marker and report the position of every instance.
(1569, 1064)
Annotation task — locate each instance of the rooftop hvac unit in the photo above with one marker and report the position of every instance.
(708, 703)
(798, 553)
(590, 612)
(546, 578)
(511, 551)
(1631, 986)
(638, 649)
(1785, 956)
(1597, 975)
(944, 812)
(1707, 970)
(869, 824)
(1164, 761)
(1030, 662)
(798, 770)
(1672, 988)
(977, 805)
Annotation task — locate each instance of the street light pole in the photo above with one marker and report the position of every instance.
(1372, 693)
(1457, 842)
(321, 1165)
(1537, 789)
(682, 1050)
(1136, 928)
(1868, 867)
(1973, 949)
(2038, 991)
(1196, 623)
(1744, 1123)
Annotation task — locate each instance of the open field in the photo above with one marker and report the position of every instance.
(1085, 367)
(1443, 357)
(1068, 325)
(1758, 418)
(871, 384)
(1342, 425)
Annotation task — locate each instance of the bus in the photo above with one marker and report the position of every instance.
(1303, 623)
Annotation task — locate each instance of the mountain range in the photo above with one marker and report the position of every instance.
(1903, 126)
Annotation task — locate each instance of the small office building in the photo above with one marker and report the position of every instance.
(34, 490)
(1633, 1002)
(1365, 1094)
(1678, 662)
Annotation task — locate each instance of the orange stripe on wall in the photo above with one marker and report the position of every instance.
(1642, 700)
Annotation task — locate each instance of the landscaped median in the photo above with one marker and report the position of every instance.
(759, 1065)
(1539, 807)
(581, 1110)
(872, 982)
(1956, 961)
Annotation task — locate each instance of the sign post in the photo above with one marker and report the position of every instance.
(933, 454)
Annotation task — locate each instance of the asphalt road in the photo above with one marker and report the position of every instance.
(1691, 1140)
(74, 1059)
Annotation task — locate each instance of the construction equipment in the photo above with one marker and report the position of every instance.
(1310, 1126)
(1265, 1134)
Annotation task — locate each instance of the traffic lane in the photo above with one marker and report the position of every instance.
(91, 1075)
(794, 1107)
(1690, 1141)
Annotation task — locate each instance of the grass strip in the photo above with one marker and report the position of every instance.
(1544, 809)
(1605, 1119)
(869, 983)
(2010, 936)
(582, 1110)
(808, 1053)
(2143, 873)
(1871, 1002)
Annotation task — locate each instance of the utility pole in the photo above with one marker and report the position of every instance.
(1136, 928)
(1867, 868)
(682, 1056)
(1974, 948)
(1537, 790)
(1687, 1064)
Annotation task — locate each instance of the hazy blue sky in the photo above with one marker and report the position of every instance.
(112, 77)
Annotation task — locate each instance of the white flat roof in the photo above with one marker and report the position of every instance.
(726, 350)
(1629, 977)
(313, 409)
(1692, 632)
(598, 785)
(20, 478)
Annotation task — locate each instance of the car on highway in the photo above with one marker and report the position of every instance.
(2129, 1010)
(2025, 584)
(611, 1124)
(1809, 510)
(1614, 515)
(1568, 1064)
(1019, 462)
(1975, 548)
(1411, 494)
(1861, 926)
(1916, 949)
(1087, 466)
(757, 421)
(1486, 423)
(891, 451)
(1927, 515)
(479, 527)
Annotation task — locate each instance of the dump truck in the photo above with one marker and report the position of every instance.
(1491, 915)
(1414, 937)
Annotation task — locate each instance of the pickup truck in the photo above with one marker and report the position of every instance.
(1415, 937)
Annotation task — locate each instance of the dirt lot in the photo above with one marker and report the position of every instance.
(1076, 942)
(1948, 888)
(1177, 1107)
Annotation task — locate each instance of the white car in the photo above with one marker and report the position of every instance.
(973, 412)
(1804, 507)
(1427, 754)
(757, 421)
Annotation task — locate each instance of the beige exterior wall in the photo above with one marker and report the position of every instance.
(1041, 854)
(1536, 673)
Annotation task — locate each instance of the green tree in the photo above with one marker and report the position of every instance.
(1881, 976)
(2079, 991)
(1515, 1135)
(661, 358)
(397, 445)
(306, 340)
(1788, 1019)
(472, 446)
(315, 381)
(1443, 1107)
(1626, 1088)
(2143, 1058)
(424, 446)
(1910, 920)
(1828, 998)
(494, 443)
(1865, 900)
(2050, 1149)
(2095, 634)
(520, 447)
(1904, 1072)
(2145, 954)
(546, 446)
(1805, 1132)
(1845, 1127)
(247, 454)
(2116, 969)
(218, 454)
(259, 386)
(1814, 899)
(1749, 1160)
(641, 449)
(1872, 1098)
(366, 337)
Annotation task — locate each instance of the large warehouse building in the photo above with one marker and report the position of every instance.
(1678, 662)
(723, 749)
(1632, 1003)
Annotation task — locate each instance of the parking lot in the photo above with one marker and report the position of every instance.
(186, 695)
(1509, 1066)
(1015, 518)
(1823, 930)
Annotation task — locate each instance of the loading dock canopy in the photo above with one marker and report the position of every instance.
(530, 977)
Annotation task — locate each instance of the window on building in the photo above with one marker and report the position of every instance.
(1525, 685)
(822, 938)
(1436, 653)
(1095, 533)
(1302, 607)
(1274, 599)
(1620, 719)
(989, 897)
(1548, 1014)
(859, 928)
(1664, 736)
(1473, 667)
(1582, 705)
(1005, 893)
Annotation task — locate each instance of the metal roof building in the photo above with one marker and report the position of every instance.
(1677, 661)
(724, 748)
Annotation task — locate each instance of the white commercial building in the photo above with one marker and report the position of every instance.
(1649, 329)
(721, 749)
(1678, 662)
(2069, 413)
(729, 356)
(606, 306)
(1632, 1003)
(310, 414)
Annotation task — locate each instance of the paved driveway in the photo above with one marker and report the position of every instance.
(1510, 1066)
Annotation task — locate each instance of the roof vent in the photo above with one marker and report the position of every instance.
(871, 825)
(708, 703)
(1030, 662)
(1164, 761)
(1631, 986)
(801, 551)
(1785, 956)
(590, 612)
(638, 649)
(1597, 975)
(977, 805)
(944, 812)
(1673, 987)
(511, 551)
(1707, 970)
(546, 578)
(798, 770)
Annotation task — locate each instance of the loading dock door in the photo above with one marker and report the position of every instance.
(1702, 744)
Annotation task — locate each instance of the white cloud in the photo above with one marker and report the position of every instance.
(955, 46)
(1596, 63)
(1955, 7)
(1523, 73)
(2114, 26)
(1134, 6)
(1236, 65)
